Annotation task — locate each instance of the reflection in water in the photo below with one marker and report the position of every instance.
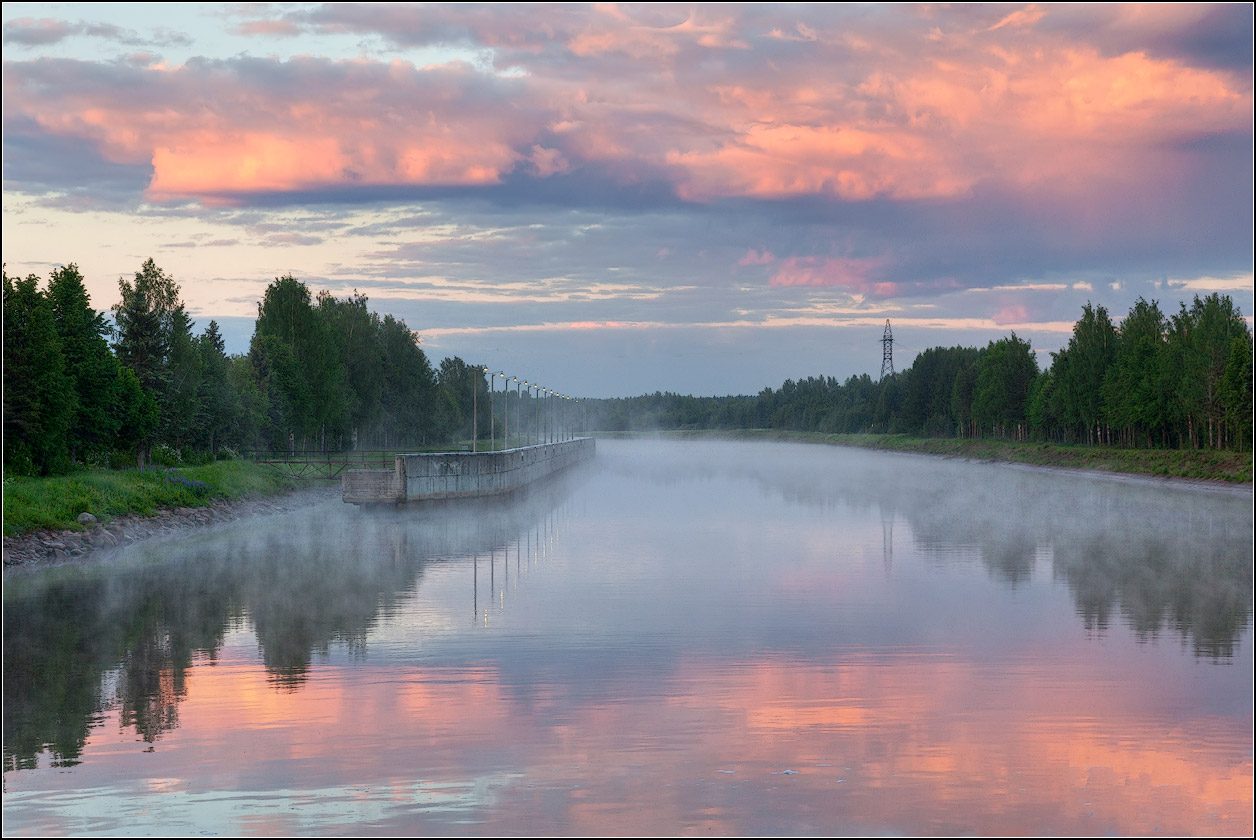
(536, 542)
(79, 642)
(728, 638)
(1164, 558)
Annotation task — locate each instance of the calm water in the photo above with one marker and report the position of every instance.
(707, 638)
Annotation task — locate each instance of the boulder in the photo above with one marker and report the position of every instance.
(86, 518)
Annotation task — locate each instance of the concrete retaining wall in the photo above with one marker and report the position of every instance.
(456, 475)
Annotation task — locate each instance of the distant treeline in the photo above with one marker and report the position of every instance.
(1183, 381)
(327, 374)
(321, 373)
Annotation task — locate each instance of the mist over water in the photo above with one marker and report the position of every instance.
(684, 637)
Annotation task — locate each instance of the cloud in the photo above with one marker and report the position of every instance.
(1237, 282)
(1027, 16)
(498, 165)
(858, 275)
(32, 32)
(268, 28)
(292, 239)
(1011, 314)
(918, 120)
(753, 257)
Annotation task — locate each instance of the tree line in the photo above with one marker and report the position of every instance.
(325, 373)
(1177, 381)
(321, 373)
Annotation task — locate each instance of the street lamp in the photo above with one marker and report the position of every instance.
(506, 411)
(492, 443)
(518, 403)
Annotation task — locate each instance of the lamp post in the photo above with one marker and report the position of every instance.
(492, 442)
(505, 411)
(518, 403)
(475, 393)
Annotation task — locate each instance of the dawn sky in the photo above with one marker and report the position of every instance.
(615, 199)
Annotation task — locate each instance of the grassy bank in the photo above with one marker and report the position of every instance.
(31, 504)
(1199, 464)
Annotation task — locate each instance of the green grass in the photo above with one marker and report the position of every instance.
(32, 504)
(1199, 464)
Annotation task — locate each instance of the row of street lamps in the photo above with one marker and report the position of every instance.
(553, 413)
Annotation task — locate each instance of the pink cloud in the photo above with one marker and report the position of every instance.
(548, 161)
(268, 28)
(856, 275)
(1027, 16)
(915, 112)
(753, 257)
(1011, 314)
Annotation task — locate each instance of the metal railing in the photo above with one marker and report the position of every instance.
(313, 464)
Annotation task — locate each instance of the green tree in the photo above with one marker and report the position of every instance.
(1131, 396)
(218, 401)
(144, 321)
(355, 332)
(1090, 353)
(151, 322)
(1236, 391)
(250, 428)
(300, 367)
(927, 406)
(962, 398)
(1005, 373)
(1198, 351)
(182, 413)
(462, 386)
(138, 414)
(408, 402)
(90, 364)
(39, 400)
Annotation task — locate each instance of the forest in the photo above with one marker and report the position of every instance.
(1177, 381)
(327, 374)
(321, 373)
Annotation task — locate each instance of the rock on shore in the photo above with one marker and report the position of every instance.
(42, 547)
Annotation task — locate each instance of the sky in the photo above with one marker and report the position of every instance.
(615, 199)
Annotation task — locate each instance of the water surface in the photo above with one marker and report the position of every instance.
(715, 638)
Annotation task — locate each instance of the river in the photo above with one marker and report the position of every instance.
(677, 637)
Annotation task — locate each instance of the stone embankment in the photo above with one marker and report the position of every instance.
(44, 547)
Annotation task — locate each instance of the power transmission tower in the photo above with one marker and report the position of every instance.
(887, 351)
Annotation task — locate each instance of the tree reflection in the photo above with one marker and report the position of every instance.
(84, 641)
(1164, 559)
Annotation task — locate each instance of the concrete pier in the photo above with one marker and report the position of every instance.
(460, 475)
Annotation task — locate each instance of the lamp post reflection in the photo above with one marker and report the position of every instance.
(539, 540)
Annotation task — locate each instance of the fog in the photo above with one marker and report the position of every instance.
(658, 570)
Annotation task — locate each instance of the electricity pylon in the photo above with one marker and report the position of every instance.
(887, 351)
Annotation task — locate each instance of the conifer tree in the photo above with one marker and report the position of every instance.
(39, 400)
(89, 363)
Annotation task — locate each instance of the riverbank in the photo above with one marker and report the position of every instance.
(1232, 469)
(40, 548)
(56, 502)
(61, 517)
